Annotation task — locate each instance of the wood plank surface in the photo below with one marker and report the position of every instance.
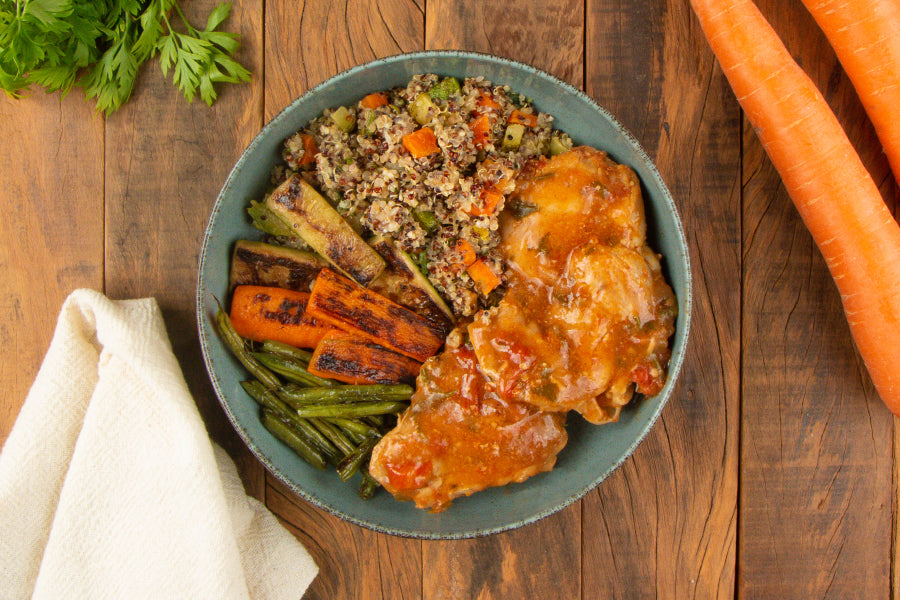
(773, 470)
(816, 443)
(51, 233)
(664, 525)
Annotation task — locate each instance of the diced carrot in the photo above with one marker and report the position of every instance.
(465, 252)
(485, 100)
(268, 313)
(340, 302)
(490, 199)
(374, 100)
(481, 127)
(353, 359)
(309, 149)
(527, 119)
(483, 276)
(421, 142)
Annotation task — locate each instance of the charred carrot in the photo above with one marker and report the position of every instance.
(356, 360)
(267, 313)
(421, 142)
(865, 35)
(483, 276)
(834, 194)
(374, 100)
(339, 302)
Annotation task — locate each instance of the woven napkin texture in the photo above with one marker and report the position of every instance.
(110, 486)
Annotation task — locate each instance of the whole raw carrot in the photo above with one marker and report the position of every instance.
(865, 35)
(833, 192)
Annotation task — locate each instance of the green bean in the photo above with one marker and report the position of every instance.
(235, 343)
(282, 349)
(353, 461)
(356, 426)
(357, 409)
(334, 435)
(368, 485)
(291, 370)
(290, 437)
(297, 396)
(303, 427)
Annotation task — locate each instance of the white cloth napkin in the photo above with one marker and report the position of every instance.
(110, 486)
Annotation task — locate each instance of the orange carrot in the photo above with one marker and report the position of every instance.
(527, 119)
(465, 252)
(340, 302)
(834, 194)
(490, 199)
(374, 100)
(309, 149)
(865, 35)
(481, 127)
(352, 359)
(486, 101)
(421, 142)
(483, 276)
(267, 313)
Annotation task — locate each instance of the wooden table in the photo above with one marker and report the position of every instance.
(773, 470)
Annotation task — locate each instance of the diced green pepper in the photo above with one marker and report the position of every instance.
(343, 118)
(426, 219)
(513, 136)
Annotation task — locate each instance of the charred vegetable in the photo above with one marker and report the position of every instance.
(313, 219)
(258, 263)
(353, 359)
(405, 284)
(337, 301)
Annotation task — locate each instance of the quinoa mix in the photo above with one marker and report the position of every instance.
(430, 190)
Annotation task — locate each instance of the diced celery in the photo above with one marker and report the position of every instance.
(513, 136)
(560, 143)
(343, 118)
(421, 107)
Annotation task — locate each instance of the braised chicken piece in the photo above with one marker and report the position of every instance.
(461, 435)
(585, 321)
(587, 314)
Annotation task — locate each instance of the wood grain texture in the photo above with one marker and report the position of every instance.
(305, 43)
(166, 160)
(353, 562)
(664, 525)
(310, 41)
(548, 35)
(816, 449)
(51, 233)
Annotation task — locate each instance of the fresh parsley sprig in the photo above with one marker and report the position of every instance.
(100, 46)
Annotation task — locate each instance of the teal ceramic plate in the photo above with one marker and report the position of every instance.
(592, 452)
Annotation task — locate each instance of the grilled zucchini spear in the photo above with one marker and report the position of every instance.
(313, 219)
(258, 263)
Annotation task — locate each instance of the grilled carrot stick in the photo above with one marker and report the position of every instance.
(834, 194)
(268, 313)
